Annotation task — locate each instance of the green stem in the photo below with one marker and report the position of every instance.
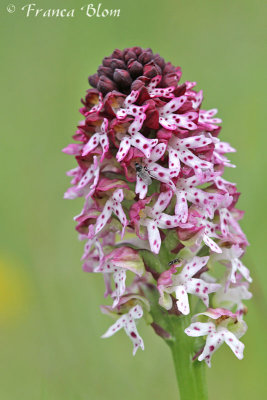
(190, 374)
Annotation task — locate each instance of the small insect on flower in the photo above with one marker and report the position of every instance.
(143, 173)
(175, 261)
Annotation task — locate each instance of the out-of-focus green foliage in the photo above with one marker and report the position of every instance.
(49, 309)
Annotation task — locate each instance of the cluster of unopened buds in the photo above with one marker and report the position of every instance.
(157, 208)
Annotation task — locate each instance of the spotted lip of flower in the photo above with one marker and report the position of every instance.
(169, 120)
(154, 219)
(127, 321)
(82, 187)
(98, 138)
(113, 205)
(185, 283)
(135, 138)
(233, 296)
(231, 256)
(117, 262)
(218, 332)
(156, 171)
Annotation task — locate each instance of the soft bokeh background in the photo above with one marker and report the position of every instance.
(50, 322)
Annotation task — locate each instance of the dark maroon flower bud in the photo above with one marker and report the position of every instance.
(180, 90)
(151, 70)
(143, 95)
(117, 54)
(122, 78)
(105, 84)
(152, 119)
(170, 80)
(107, 61)
(168, 68)
(187, 106)
(135, 68)
(160, 61)
(140, 64)
(105, 71)
(118, 64)
(137, 84)
(137, 50)
(93, 80)
(145, 57)
(130, 55)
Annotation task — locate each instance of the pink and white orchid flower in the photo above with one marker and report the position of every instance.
(127, 322)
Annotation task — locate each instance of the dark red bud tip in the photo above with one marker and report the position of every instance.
(137, 84)
(150, 71)
(137, 50)
(122, 77)
(160, 61)
(134, 63)
(107, 61)
(118, 64)
(170, 80)
(135, 68)
(93, 80)
(168, 68)
(105, 85)
(130, 55)
(145, 57)
(117, 54)
(105, 71)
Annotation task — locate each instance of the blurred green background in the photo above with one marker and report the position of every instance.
(50, 322)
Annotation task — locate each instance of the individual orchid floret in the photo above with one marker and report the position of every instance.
(117, 262)
(169, 120)
(127, 321)
(82, 188)
(231, 257)
(136, 139)
(220, 326)
(98, 138)
(184, 283)
(113, 205)
(92, 97)
(93, 242)
(179, 151)
(129, 108)
(203, 230)
(206, 119)
(207, 201)
(153, 218)
(218, 157)
(73, 149)
(223, 184)
(156, 171)
(208, 232)
(159, 92)
(230, 228)
(232, 296)
(196, 99)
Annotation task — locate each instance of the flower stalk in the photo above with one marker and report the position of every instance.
(190, 375)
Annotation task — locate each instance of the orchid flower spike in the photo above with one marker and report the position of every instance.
(159, 221)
